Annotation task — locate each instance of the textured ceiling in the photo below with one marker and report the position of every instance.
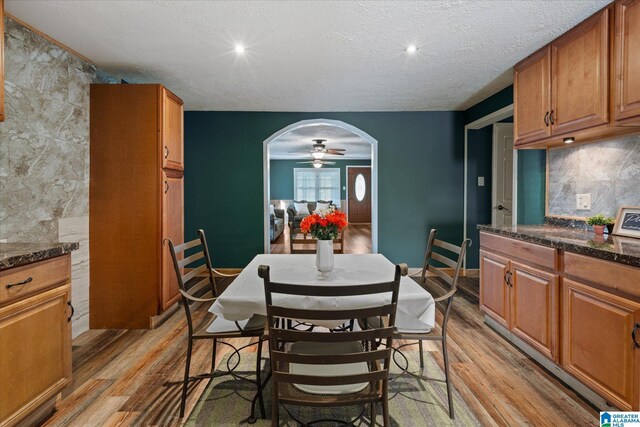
(301, 139)
(310, 55)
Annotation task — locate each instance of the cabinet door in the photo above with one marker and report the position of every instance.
(627, 61)
(532, 97)
(35, 361)
(172, 228)
(534, 308)
(598, 348)
(494, 292)
(172, 131)
(580, 76)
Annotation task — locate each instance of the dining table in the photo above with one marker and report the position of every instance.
(245, 296)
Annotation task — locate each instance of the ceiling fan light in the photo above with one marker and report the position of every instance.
(317, 155)
(317, 165)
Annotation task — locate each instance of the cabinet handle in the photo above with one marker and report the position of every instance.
(507, 278)
(633, 334)
(551, 118)
(546, 119)
(24, 282)
(73, 310)
(166, 151)
(166, 187)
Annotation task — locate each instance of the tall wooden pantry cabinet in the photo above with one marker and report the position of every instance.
(135, 202)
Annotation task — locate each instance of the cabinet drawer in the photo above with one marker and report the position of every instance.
(542, 256)
(609, 274)
(36, 276)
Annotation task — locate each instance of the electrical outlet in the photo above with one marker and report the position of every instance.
(583, 201)
(481, 181)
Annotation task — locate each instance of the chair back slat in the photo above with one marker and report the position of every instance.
(310, 315)
(329, 290)
(441, 274)
(330, 380)
(198, 271)
(331, 359)
(187, 245)
(294, 335)
(448, 246)
(443, 259)
(198, 287)
(191, 258)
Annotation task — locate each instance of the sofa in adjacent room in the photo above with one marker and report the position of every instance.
(276, 223)
(295, 217)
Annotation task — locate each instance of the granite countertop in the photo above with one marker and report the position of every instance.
(16, 254)
(625, 250)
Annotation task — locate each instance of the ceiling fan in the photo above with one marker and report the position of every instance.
(317, 163)
(319, 150)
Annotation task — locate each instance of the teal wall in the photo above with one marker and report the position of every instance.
(532, 165)
(282, 176)
(420, 178)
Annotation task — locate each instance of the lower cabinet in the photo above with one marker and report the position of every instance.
(598, 346)
(35, 361)
(523, 299)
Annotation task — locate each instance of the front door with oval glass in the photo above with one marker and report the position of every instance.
(359, 194)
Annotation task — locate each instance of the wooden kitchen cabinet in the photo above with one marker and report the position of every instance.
(626, 87)
(521, 298)
(35, 338)
(580, 76)
(532, 97)
(494, 291)
(136, 201)
(172, 228)
(598, 347)
(534, 308)
(564, 87)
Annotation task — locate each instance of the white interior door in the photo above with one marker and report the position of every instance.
(502, 192)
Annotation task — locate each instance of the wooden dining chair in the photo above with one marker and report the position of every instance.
(444, 302)
(198, 285)
(321, 368)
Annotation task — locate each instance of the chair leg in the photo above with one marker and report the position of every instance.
(385, 408)
(373, 414)
(258, 382)
(185, 384)
(421, 355)
(213, 355)
(447, 375)
(275, 416)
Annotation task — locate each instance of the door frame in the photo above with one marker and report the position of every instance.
(346, 179)
(480, 123)
(266, 173)
(494, 173)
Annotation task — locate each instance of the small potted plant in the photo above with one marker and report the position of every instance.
(611, 221)
(598, 222)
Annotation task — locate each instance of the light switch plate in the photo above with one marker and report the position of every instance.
(583, 201)
(481, 181)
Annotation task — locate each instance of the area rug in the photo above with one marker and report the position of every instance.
(412, 402)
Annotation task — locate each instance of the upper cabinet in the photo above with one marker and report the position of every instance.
(565, 89)
(626, 88)
(172, 135)
(532, 89)
(580, 76)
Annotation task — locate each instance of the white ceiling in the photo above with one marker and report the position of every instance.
(310, 55)
(337, 137)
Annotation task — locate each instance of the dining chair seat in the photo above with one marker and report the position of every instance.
(221, 325)
(303, 347)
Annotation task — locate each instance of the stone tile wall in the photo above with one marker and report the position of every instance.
(608, 170)
(44, 150)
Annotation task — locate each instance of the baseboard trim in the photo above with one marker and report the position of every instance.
(550, 366)
(155, 321)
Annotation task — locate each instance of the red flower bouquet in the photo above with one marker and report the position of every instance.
(325, 225)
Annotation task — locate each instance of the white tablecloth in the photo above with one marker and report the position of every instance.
(245, 296)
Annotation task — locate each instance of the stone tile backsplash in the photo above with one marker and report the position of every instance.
(44, 150)
(608, 170)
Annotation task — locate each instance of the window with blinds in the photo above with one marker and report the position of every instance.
(316, 184)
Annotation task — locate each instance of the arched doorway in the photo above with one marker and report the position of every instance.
(321, 122)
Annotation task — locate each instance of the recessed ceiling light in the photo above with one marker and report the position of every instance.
(412, 48)
(569, 140)
(239, 49)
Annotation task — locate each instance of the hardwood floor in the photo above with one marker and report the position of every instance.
(123, 378)
(357, 240)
